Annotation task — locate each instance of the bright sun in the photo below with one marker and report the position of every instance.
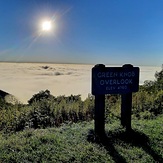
(46, 25)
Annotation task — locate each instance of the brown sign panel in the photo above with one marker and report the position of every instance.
(114, 80)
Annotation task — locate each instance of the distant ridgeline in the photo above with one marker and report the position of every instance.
(8, 97)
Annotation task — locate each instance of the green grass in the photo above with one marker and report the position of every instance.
(69, 144)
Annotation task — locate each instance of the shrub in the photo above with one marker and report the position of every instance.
(40, 96)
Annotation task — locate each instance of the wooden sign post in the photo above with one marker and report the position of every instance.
(100, 108)
(126, 106)
(100, 115)
(114, 80)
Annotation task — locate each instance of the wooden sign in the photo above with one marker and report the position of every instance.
(115, 80)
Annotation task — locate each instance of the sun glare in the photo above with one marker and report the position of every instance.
(46, 25)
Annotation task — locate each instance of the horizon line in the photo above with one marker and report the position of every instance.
(78, 63)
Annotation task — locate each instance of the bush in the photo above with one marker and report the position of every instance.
(45, 110)
(40, 96)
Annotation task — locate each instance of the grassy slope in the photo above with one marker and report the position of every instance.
(69, 144)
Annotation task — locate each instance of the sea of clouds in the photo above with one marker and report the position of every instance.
(26, 79)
